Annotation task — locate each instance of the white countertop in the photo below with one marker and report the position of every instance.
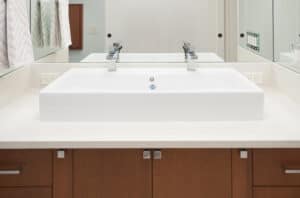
(21, 128)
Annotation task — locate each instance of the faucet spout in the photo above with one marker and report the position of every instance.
(114, 56)
(190, 56)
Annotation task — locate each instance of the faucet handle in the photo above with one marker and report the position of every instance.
(186, 46)
(186, 43)
(114, 51)
(117, 46)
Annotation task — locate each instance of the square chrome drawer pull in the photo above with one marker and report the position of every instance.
(157, 155)
(10, 172)
(292, 171)
(60, 154)
(147, 155)
(244, 154)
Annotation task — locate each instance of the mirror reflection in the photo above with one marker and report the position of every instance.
(173, 31)
(97, 24)
(256, 29)
(160, 36)
(165, 31)
(287, 33)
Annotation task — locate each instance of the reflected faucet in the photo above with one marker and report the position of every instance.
(114, 56)
(190, 56)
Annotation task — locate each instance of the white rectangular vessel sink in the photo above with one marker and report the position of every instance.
(151, 95)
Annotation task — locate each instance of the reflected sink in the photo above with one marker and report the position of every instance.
(151, 95)
(204, 57)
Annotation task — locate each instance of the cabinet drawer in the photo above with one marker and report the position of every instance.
(276, 167)
(276, 192)
(25, 192)
(25, 168)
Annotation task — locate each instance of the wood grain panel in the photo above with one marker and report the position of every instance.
(192, 174)
(63, 175)
(276, 192)
(241, 175)
(76, 25)
(25, 193)
(269, 167)
(35, 168)
(111, 174)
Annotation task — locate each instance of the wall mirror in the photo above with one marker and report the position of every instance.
(255, 30)
(287, 33)
(248, 30)
(141, 27)
(145, 28)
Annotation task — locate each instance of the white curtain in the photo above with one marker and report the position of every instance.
(3, 44)
(64, 23)
(17, 44)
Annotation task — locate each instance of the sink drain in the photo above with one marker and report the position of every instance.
(153, 87)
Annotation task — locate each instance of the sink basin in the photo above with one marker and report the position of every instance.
(151, 95)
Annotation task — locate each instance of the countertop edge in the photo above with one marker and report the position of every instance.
(150, 145)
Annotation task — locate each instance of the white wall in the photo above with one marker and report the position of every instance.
(94, 29)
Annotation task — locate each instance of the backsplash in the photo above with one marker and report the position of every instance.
(287, 80)
(15, 84)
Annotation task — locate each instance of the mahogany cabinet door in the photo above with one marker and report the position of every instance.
(276, 167)
(76, 25)
(111, 174)
(286, 192)
(192, 174)
(25, 193)
(19, 168)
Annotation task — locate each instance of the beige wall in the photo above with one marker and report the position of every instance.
(231, 30)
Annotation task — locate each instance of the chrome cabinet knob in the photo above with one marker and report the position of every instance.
(147, 155)
(157, 155)
(60, 154)
(244, 154)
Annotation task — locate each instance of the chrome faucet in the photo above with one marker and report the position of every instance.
(114, 56)
(190, 56)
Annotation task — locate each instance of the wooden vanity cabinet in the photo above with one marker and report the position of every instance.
(136, 173)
